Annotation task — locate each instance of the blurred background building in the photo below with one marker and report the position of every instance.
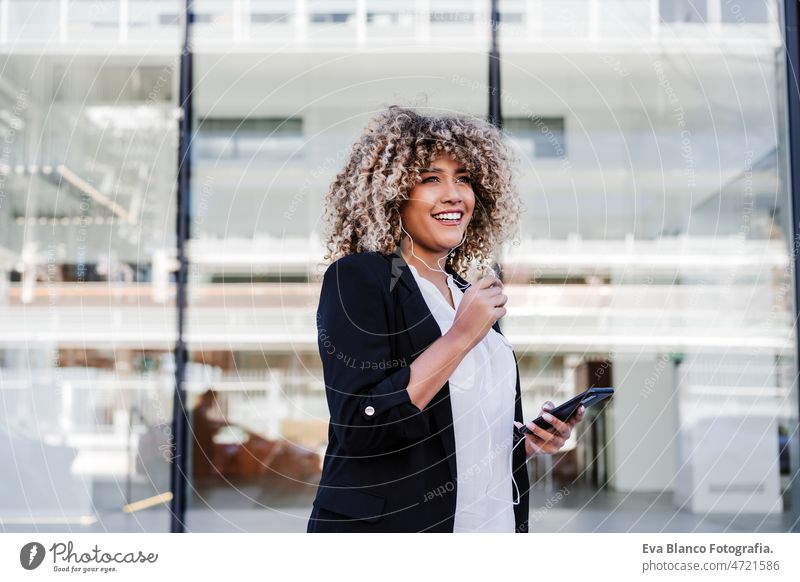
(656, 253)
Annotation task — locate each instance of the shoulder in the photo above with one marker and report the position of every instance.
(366, 258)
(367, 269)
(353, 286)
(368, 262)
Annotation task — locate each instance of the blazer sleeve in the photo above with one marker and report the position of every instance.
(371, 411)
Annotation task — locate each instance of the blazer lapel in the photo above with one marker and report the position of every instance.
(423, 330)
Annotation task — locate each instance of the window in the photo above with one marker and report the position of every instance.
(540, 137)
(269, 17)
(683, 11)
(752, 12)
(236, 138)
(114, 84)
(331, 17)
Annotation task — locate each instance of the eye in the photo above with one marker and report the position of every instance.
(462, 179)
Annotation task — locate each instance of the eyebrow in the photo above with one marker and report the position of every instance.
(461, 170)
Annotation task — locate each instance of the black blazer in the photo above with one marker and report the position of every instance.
(389, 466)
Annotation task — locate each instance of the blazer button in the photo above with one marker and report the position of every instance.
(369, 411)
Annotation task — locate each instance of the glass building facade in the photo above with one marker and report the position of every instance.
(656, 253)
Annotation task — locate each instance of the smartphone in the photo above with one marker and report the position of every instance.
(564, 411)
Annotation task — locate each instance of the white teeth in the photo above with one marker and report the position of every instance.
(447, 216)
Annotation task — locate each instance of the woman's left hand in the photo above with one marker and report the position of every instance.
(547, 442)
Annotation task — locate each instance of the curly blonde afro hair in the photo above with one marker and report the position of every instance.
(362, 205)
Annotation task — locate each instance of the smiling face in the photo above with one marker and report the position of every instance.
(438, 210)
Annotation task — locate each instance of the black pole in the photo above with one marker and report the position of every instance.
(180, 424)
(792, 29)
(495, 116)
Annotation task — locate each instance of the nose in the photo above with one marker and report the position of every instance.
(452, 191)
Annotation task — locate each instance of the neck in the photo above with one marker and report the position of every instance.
(426, 262)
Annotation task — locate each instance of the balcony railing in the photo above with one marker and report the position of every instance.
(560, 318)
(373, 22)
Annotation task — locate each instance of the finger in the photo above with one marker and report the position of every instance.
(555, 445)
(548, 405)
(549, 447)
(493, 291)
(495, 279)
(578, 416)
(559, 425)
(545, 435)
(534, 443)
(486, 281)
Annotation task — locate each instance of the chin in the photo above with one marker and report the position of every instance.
(446, 246)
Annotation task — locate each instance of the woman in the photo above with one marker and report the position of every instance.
(422, 387)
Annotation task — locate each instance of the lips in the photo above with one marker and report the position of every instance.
(449, 218)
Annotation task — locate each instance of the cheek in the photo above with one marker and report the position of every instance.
(415, 216)
(420, 208)
(470, 207)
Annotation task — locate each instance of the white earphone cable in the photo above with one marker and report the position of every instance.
(488, 425)
(463, 238)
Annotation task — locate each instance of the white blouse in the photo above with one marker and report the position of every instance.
(482, 392)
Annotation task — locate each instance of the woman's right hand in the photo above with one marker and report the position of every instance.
(481, 306)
